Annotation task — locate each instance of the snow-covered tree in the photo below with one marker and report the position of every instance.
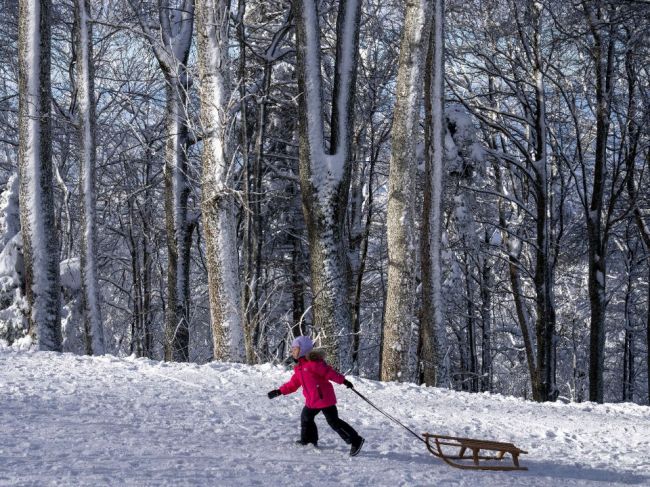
(85, 84)
(39, 234)
(218, 199)
(325, 168)
(434, 368)
(546, 113)
(400, 315)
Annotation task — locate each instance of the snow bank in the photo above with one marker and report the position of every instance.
(78, 420)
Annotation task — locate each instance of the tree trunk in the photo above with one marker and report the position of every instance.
(399, 316)
(628, 344)
(461, 377)
(137, 343)
(325, 174)
(434, 369)
(147, 263)
(486, 324)
(513, 246)
(94, 331)
(148, 236)
(602, 53)
(218, 203)
(250, 213)
(177, 190)
(176, 26)
(364, 242)
(40, 242)
(545, 325)
(472, 370)
(633, 133)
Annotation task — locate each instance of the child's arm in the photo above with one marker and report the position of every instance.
(291, 386)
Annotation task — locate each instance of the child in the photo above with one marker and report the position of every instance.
(314, 375)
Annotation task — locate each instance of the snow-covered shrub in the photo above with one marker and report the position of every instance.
(72, 313)
(464, 153)
(13, 303)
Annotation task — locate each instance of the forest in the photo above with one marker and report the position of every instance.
(451, 193)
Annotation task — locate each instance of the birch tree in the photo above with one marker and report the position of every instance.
(35, 171)
(399, 318)
(218, 199)
(94, 332)
(325, 169)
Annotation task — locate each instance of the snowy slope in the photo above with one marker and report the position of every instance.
(71, 420)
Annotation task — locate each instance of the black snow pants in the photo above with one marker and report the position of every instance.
(309, 431)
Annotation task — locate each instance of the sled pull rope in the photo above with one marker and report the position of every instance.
(389, 416)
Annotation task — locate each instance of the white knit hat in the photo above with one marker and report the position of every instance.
(305, 343)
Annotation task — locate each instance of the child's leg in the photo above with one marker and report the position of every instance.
(344, 430)
(308, 430)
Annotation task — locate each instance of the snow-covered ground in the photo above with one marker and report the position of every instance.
(70, 420)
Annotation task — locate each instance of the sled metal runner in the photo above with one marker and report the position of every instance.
(475, 460)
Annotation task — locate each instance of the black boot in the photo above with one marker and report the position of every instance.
(356, 446)
(305, 443)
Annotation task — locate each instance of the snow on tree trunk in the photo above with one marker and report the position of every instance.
(179, 229)
(434, 367)
(218, 203)
(176, 27)
(94, 331)
(399, 316)
(36, 179)
(325, 175)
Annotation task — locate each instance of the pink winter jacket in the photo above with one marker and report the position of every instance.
(314, 375)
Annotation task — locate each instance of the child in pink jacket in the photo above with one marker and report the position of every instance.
(314, 375)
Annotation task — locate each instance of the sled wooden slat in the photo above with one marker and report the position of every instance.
(476, 447)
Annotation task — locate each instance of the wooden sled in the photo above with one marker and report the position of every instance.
(476, 447)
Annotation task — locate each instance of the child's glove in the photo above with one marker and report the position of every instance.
(348, 384)
(274, 393)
